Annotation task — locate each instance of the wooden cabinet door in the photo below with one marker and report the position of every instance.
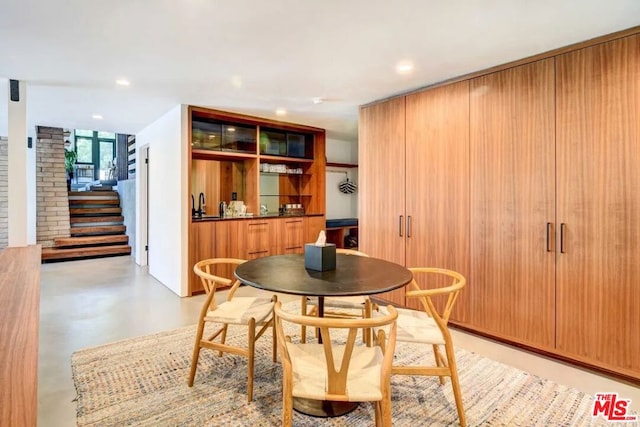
(259, 238)
(512, 165)
(291, 232)
(437, 176)
(230, 239)
(312, 227)
(201, 246)
(381, 201)
(598, 145)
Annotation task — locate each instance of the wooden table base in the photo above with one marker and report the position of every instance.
(323, 408)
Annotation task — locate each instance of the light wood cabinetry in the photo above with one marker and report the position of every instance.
(312, 227)
(291, 234)
(258, 237)
(437, 181)
(228, 141)
(202, 242)
(416, 148)
(512, 167)
(249, 239)
(211, 239)
(229, 155)
(550, 223)
(381, 149)
(598, 147)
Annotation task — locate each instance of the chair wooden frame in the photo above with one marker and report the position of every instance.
(445, 364)
(208, 315)
(337, 382)
(310, 307)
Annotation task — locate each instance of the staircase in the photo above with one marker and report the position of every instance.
(97, 228)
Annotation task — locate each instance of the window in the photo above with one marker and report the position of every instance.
(97, 148)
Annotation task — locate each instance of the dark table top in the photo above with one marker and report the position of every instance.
(354, 275)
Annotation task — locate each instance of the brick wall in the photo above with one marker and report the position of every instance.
(52, 201)
(4, 192)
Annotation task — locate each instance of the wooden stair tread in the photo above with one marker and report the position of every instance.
(66, 253)
(96, 228)
(93, 193)
(87, 211)
(85, 219)
(105, 229)
(61, 242)
(73, 202)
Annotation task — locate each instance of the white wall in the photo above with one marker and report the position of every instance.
(20, 232)
(341, 205)
(167, 186)
(31, 188)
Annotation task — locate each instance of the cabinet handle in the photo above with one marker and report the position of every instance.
(548, 237)
(400, 225)
(409, 226)
(258, 223)
(562, 225)
(259, 252)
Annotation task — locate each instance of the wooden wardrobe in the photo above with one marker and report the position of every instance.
(526, 180)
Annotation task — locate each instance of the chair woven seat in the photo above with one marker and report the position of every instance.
(337, 369)
(255, 313)
(429, 325)
(310, 371)
(354, 303)
(415, 326)
(239, 310)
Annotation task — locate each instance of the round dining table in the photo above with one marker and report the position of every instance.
(353, 275)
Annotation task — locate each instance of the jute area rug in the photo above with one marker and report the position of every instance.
(143, 382)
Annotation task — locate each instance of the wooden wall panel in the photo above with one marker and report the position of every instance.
(313, 225)
(205, 178)
(512, 191)
(437, 168)
(598, 144)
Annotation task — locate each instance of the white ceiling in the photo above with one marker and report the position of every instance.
(253, 56)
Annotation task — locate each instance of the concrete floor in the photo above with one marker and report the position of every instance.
(92, 302)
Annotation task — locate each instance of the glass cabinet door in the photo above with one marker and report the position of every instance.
(220, 136)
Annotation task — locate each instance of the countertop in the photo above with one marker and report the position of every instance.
(274, 215)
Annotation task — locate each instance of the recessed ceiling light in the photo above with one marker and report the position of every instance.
(318, 100)
(97, 116)
(123, 82)
(281, 112)
(236, 81)
(231, 129)
(404, 67)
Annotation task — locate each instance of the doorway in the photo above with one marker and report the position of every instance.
(143, 222)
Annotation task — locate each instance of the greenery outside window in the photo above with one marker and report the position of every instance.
(97, 148)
